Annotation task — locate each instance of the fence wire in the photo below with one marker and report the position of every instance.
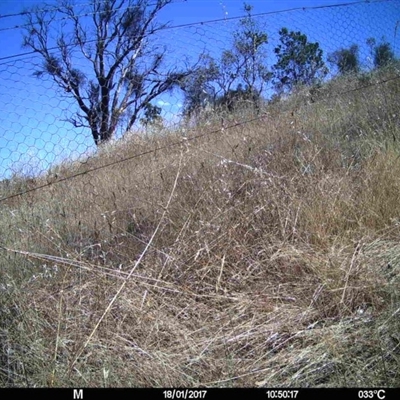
(242, 232)
(40, 132)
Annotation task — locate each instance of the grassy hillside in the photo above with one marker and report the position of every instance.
(263, 253)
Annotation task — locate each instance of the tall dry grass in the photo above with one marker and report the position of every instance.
(263, 253)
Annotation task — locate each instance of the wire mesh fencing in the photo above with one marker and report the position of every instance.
(54, 103)
(200, 205)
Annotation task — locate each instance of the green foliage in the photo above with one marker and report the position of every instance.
(197, 87)
(244, 63)
(346, 60)
(239, 97)
(152, 115)
(382, 53)
(299, 62)
(240, 74)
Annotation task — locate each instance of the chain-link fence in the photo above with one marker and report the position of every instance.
(39, 125)
(216, 204)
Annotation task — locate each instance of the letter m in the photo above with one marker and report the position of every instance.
(78, 394)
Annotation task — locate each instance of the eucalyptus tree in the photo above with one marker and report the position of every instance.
(244, 74)
(382, 53)
(106, 57)
(346, 60)
(299, 61)
(238, 75)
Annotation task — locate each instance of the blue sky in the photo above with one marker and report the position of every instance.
(33, 132)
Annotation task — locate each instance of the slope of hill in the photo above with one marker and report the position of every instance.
(264, 252)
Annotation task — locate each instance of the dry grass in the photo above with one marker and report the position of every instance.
(262, 254)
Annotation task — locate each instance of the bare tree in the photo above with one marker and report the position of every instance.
(119, 61)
